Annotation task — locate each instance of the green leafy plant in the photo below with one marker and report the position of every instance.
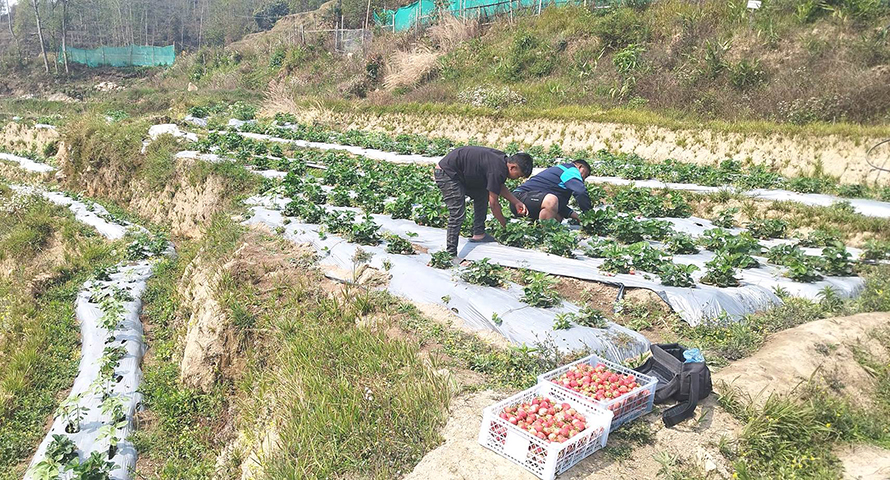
(558, 240)
(590, 317)
(597, 221)
(836, 261)
(876, 250)
(802, 269)
(676, 275)
(725, 218)
(401, 207)
(562, 321)
(366, 232)
(95, 467)
(540, 290)
(681, 244)
(441, 260)
(767, 228)
(596, 247)
(398, 245)
(721, 271)
(617, 260)
(483, 272)
(820, 238)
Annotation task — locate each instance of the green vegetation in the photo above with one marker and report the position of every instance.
(39, 339)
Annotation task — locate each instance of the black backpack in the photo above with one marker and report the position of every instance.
(686, 383)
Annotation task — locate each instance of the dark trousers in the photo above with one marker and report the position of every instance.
(455, 196)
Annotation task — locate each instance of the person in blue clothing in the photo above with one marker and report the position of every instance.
(546, 195)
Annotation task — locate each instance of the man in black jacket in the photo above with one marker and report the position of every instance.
(480, 173)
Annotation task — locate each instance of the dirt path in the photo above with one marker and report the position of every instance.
(824, 348)
(792, 155)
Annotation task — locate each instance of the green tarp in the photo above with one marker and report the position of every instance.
(130, 56)
(407, 17)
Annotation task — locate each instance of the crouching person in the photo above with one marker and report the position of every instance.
(547, 194)
(480, 173)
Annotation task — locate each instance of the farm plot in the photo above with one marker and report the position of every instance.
(635, 238)
(755, 181)
(89, 436)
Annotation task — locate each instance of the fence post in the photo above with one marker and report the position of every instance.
(540, 4)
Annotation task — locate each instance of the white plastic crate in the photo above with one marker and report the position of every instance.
(544, 459)
(625, 408)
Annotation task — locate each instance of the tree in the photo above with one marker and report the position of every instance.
(65, 33)
(36, 5)
(9, 23)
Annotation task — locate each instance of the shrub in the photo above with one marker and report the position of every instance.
(746, 74)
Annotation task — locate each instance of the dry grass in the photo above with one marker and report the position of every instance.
(450, 32)
(408, 68)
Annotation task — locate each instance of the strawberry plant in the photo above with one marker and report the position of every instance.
(558, 240)
(341, 196)
(307, 212)
(783, 254)
(802, 269)
(483, 272)
(597, 221)
(645, 257)
(596, 247)
(725, 218)
(401, 207)
(61, 449)
(590, 317)
(721, 271)
(681, 244)
(365, 232)
(398, 245)
(617, 260)
(313, 193)
(627, 229)
(836, 261)
(431, 212)
(540, 290)
(562, 321)
(339, 221)
(546, 419)
(820, 238)
(441, 260)
(677, 275)
(767, 228)
(876, 250)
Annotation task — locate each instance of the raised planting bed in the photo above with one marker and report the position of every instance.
(598, 383)
(512, 437)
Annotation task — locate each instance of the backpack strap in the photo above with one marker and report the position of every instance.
(686, 409)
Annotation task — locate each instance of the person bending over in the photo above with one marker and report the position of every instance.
(478, 173)
(546, 195)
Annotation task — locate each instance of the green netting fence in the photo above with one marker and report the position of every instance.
(423, 12)
(129, 56)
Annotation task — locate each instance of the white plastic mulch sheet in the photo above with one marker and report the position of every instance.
(127, 375)
(476, 305)
(94, 215)
(871, 208)
(27, 163)
(694, 305)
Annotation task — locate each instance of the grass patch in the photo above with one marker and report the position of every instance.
(724, 340)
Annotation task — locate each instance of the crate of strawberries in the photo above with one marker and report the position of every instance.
(597, 382)
(544, 430)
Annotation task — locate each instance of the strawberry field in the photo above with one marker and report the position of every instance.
(705, 269)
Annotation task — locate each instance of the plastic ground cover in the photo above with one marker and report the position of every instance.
(871, 208)
(94, 339)
(94, 215)
(27, 163)
(476, 305)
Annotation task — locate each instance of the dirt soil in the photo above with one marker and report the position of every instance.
(824, 348)
(18, 137)
(790, 154)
